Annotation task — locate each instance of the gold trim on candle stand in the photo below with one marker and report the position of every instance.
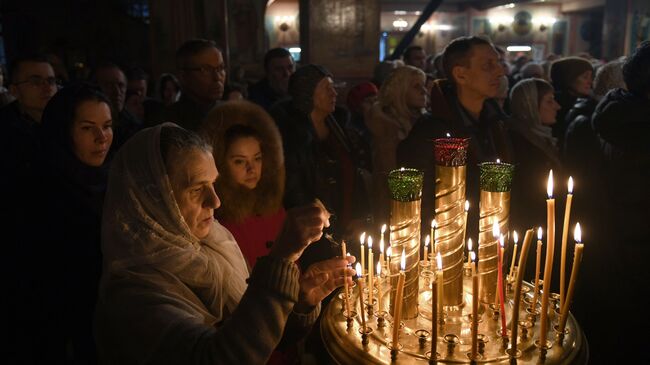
(405, 235)
(494, 206)
(450, 220)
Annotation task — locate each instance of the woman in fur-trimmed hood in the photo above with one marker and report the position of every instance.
(247, 150)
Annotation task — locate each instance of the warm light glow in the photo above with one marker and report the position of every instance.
(427, 240)
(401, 169)
(370, 242)
(434, 224)
(469, 245)
(442, 27)
(400, 23)
(425, 27)
(378, 268)
(362, 238)
(389, 252)
(357, 268)
(519, 48)
(295, 50)
(570, 185)
(495, 229)
(399, 12)
(467, 205)
(498, 160)
(577, 233)
(472, 255)
(502, 241)
(545, 20)
(439, 261)
(381, 246)
(403, 260)
(502, 20)
(383, 229)
(515, 236)
(539, 233)
(448, 135)
(549, 185)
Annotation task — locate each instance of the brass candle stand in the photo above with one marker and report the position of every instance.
(351, 345)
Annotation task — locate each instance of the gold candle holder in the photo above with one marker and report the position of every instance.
(406, 191)
(496, 180)
(451, 160)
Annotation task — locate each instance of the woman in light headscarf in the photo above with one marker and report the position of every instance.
(533, 109)
(175, 287)
(402, 101)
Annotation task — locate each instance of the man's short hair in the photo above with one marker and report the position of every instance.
(409, 50)
(16, 63)
(191, 48)
(136, 73)
(458, 53)
(275, 53)
(636, 71)
(103, 65)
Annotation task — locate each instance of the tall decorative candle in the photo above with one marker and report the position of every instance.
(379, 308)
(434, 248)
(370, 270)
(538, 261)
(465, 220)
(501, 288)
(434, 317)
(450, 155)
(475, 295)
(382, 245)
(346, 295)
(577, 259)
(514, 256)
(389, 252)
(494, 208)
(399, 296)
(362, 240)
(521, 269)
(360, 285)
(565, 233)
(548, 267)
(426, 249)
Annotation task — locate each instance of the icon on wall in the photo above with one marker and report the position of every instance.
(523, 23)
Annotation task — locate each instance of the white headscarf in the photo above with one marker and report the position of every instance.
(524, 106)
(143, 229)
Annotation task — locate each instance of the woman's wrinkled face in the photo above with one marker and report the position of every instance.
(92, 132)
(416, 95)
(325, 96)
(244, 161)
(582, 85)
(548, 108)
(192, 174)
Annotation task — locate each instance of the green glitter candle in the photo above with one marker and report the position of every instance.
(405, 184)
(496, 176)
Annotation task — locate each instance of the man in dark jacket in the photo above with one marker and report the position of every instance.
(461, 106)
(279, 66)
(622, 121)
(202, 74)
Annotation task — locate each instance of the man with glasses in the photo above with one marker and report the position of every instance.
(32, 83)
(202, 74)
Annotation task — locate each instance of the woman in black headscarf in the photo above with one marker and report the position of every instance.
(65, 256)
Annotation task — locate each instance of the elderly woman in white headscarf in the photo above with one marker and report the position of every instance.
(175, 287)
(533, 108)
(401, 102)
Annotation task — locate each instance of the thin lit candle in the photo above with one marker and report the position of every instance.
(382, 245)
(538, 261)
(434, 318)
(399, 294)
(548, 267)
(565, 233)
(434, 225)
(389, 253)
(360, 285)
(426, 249)
(521, 269)
(379, 287)
(504, 330)
(577, 259)
(465, 222)
(345, 280)
(474, 327)
(469, 249)
(370, 270)
(441, 284)
(514, 255)
(362, 240)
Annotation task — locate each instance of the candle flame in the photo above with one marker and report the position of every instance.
(570, 185)
(472, 256)
(498, 160)
(401, 169)
(549, 185)
(502, 240)
(383, 229)
(448, 135)
(362, 238)
(495, 228)
(466, 205)
(357, 268)
(347, 254)
(370, 242)
(439, 261)
(403, 260)
(378, 268)
(427, 240)
(539, 233)
(389, 252)
(469, 245)
(434, 224)
(577, 233)
(381, 245)
(515, 236)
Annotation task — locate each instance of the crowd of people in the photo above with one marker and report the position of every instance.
(200, 223)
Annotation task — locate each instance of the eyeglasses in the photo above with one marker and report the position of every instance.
(207, 70)
(38, 81)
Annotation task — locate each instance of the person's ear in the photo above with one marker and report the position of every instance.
(460, 75)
